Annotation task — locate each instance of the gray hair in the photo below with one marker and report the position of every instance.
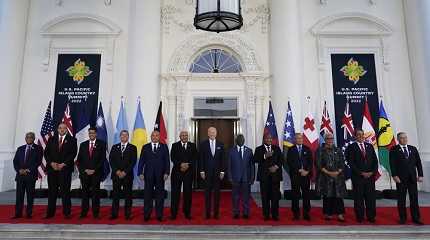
(30, 134)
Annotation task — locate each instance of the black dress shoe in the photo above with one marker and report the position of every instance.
(275, 218)
(417, 222)
(67, 216)
(236, 216)
(146, 218)
(187, 216)
(402, 221)
(359, 220)
(245, 216)
(306, 217)
(208, 216)
(216, 216)
(16, 217)
(82, 216)
(48, 216)
(266, 218)
(172, 218)
(113, 217)
(371, 220)
(128, 217)
(296, 217)
(29, 216)
(160, 219)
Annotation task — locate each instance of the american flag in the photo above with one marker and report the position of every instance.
(46, 132)
(325, 122)
(67, 119)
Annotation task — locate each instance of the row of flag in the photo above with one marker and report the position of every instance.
(382, 141)
(139, 136)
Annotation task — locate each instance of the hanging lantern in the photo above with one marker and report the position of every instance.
(218, 15)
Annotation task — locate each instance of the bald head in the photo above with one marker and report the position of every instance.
(183, 135)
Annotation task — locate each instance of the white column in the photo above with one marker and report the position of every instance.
(286, 59)
(144, 58)
(417, 16)
(13, 28)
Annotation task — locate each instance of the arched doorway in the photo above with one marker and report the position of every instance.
(211, 73)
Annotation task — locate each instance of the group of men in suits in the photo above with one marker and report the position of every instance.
(213, 164)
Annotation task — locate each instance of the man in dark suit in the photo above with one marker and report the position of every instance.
(154, 169)
(407, 170)
(184, 158)
(241, 173)
(60, 153)
(364, 166)
(122, 158)
(300, 164)
(27, 159)
(212, 171)
(92, 154)
(269, 174)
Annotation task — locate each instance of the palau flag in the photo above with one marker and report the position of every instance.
(121, 123)
(140, 136)
(386, 138)
(103, 135)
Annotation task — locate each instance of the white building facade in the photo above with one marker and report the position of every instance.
(148, 47)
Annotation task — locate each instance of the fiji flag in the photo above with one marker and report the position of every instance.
(270, 127)
(140, 138)
(102, 135)
(121, 123)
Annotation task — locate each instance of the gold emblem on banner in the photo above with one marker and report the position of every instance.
(353, 70)
(79, 71)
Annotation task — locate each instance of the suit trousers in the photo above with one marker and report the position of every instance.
(409, 186)
(212, 187)
(90, 189)
(364, 198)
(241, 192)
(180, 179)
(123, 186)
(59, 183)
(24, 186)
(154, 189)
(270, 195)
(300, 186)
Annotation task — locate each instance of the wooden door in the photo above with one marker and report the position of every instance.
(225, 129)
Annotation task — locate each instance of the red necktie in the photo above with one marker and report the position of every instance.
(91, 149)
(363, 151)
(61, 143)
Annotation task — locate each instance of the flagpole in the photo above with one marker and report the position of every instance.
(389, 172)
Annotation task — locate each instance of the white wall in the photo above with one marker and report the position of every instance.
(145, 46)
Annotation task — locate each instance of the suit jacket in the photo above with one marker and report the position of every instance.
(95, 162)
(123, 161)
(404, 167)
(360, 163)
(211, 165)
(154, 163)
(32, 162)
(241, 168)
(180, 155)
(264, 164)
(65, 155)
(296, 161)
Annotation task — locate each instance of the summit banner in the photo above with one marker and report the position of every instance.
(355, 79)
(77, 83)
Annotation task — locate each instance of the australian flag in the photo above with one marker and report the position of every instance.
(270, 127)
(102, 135)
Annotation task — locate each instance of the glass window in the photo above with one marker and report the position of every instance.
(216, 61)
